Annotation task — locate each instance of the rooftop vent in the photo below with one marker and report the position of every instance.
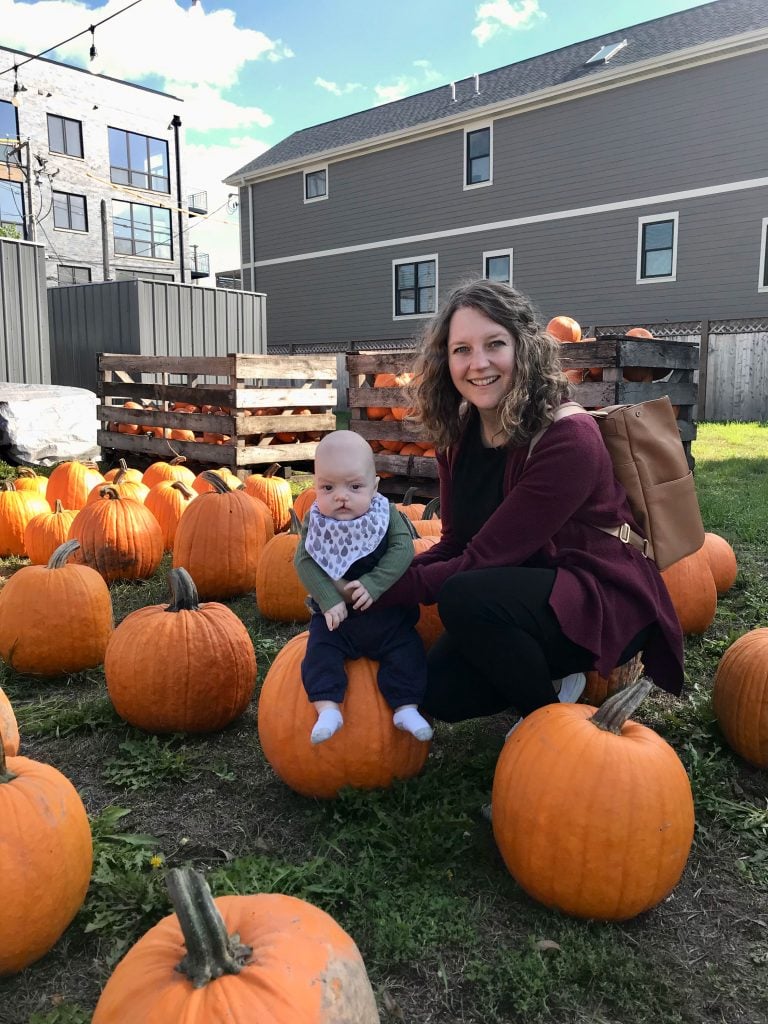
(605, 53)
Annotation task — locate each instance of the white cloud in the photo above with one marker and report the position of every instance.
(505, 14)
(337, 90)
(205, 109)
(426, 77)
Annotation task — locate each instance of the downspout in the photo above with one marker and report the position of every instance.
(176, 124)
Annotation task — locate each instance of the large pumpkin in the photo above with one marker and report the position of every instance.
(240, 960)
(592, 813)
(47, 531)
(45, 859)
(182, 667)
(740, 696)
(220, 538)
(9, 727)
(71, 483)
(119, 537)
(692, 589)
(16, 510)
(280, 594)
(722, 561)
(368, 753)
(275, 492)
(55, 618)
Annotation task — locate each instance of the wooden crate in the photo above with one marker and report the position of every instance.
(612, 354)
(236, 382)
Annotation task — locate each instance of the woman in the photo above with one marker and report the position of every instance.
(529, 589)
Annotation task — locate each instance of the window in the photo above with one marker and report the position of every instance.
(477, 156)
(141, 230)
(657, 248)
(69, 211)
(8, 131)
(497, 266)
(12, 206)
(138, 160)
(762, 280)
(74, 275)
(415, 286)
(140, 275)
(315, 184)
(65, 136)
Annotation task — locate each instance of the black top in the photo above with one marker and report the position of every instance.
(478, 482)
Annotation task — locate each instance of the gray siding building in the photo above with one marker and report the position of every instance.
(623, 179)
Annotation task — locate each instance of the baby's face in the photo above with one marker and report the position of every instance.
(345, 485)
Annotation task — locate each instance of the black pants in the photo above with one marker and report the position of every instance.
(502, 647)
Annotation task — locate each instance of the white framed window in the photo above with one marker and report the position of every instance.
(316, 184)
(762, 277)
(497, 265)
(414, 287)
(478, 156)
(657, 248)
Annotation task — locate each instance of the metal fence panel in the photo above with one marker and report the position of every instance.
(25, 355)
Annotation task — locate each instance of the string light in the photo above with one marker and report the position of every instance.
(18, 87)
(93, 53)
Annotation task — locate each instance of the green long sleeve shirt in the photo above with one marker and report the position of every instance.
(389, 569)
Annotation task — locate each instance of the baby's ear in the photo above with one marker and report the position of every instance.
(376, 485)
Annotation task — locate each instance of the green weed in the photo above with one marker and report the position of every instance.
(147, 761)
(66, 1013)
(60, 716)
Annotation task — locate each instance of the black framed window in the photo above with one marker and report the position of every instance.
(12, 206)
(141, 230)
(498, 267)
(9, 132)
(73, 275)
(478, 156)
(316, 184)
(657, 247)
(415, 287)
(138, 160)
(70, 211)
(140, 275)
(65, 135)
(765, 254)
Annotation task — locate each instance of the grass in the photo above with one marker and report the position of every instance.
(412, 872)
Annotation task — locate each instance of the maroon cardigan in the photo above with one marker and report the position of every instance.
(605, 591)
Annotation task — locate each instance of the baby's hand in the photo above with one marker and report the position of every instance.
(358, 596)
(335, 616)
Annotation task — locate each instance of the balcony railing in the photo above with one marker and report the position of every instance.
(201, 265)
(198, 203)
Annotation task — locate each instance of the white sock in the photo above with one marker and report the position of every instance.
(408, 718)
(571, 687)
(328, 722)
(510, 731)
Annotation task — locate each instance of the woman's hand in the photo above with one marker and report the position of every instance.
(335, 616)
(358, 596)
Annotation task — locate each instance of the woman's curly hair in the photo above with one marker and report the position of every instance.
(539, 384)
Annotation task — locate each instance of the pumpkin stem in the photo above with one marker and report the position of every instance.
(177, 461)
(614, 712)
(272, 469)
(26, 472)
(108, 491)
(431, 509)
(62, 553)
(408, 496)
(181, 486)
(213, 478)
(58, 507)
(411, 528)
(210, 951)
(183, 591)
(295, 525)
(9, 485)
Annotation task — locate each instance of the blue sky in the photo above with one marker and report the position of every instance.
(251, 73)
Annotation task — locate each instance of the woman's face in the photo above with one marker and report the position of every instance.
(481, 358)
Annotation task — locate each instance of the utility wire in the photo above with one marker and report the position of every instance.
(19, 64)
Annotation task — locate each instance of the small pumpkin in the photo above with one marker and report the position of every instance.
(172, 470)
(71, 483)
(639, 374)
(28, 480)
(181, 667)
(261, 957)
(126, 487)
(607, 852)
(125, 471)
(410, 508)
(47, 531)
(167, 501)
(280, 594)
(740, 696)
(598, 688)
(119, 537)
(692, 589)
(368, 753)
(722, 561)
(564, 328)
(16, 510)
(275, 492)
(9, 727)
(202, 483)
(303, 502)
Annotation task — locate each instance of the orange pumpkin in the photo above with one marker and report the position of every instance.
(722, 561)
(368, 753)
(617, 849)
(639, 374)
(47, 531)
(172, 470)
(125, 471)
(9, 729)
(28, 480)
(126, 487)
(740, 696)
(119, 537)
(72, 617)
(303, 502)
(167, 501)
(262, 957)
(45, 857)
(180, 667)
(564, 328)
(16, 510)
(598, 688)
(411, 509)
(71, 483)
(202, 483)
(280, 594)
(692, 588)
(275, 492)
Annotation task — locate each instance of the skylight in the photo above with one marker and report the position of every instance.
(605, 53)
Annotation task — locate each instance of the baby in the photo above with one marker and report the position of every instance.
(354, 545)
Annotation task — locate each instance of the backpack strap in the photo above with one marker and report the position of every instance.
(624, 531)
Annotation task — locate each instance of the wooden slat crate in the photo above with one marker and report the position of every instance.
(611, 354)
(239, 382)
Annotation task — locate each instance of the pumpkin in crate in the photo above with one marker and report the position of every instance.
(71, 622)
(740, 696)
(275, 492)
(567, 331)
(128, 428)
(239, 959)
(691, 587)
(124, 471)
(172, 470)
(303, 502)
(592, 812)
(47, 531)
(28, 480)
(17, 508)
(722, 561)
(368, 753)
(9, 728)
(638, 374)
(280, 594)
(71, 483)
(181, 667)
(119, 537)
(167, 501)
(390, 444)
(45, 859)
(219, 539)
